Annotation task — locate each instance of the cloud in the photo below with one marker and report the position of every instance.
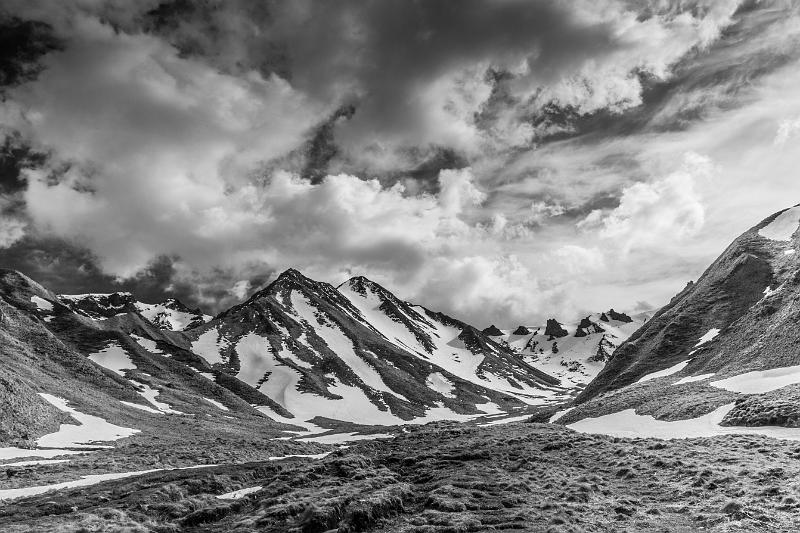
(11, 230)
(656, 213)
(787, 129)
(453, 169)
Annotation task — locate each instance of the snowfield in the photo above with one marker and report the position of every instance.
(760, 381)
(783, 227)
(631, 425)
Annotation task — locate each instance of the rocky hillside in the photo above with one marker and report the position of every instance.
(726, 343)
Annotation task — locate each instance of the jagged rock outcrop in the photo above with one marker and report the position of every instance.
(621, 317)
(554, 330)
(492, 331)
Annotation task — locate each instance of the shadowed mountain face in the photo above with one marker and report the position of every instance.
(732, 333)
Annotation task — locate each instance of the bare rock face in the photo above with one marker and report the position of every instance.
(554, 330)
(492, 331)
(521, 330)
(586, 327)
(620, 317)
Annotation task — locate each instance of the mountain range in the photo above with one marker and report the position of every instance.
(302, 366)
(297, 352)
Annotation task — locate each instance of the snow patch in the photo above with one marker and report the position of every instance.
(506, 420)
(666, 372)
(114, 358)
(241, 493)
(760, 380)
(147, 344)
(711, 334)
(91, 429)
(14, 453)
(216, 404)
(630, 425)
(35, 463)
(337, 438)
(142, 407)
(783, 227)
(559, 414)
(438, 382)
(84, 481)
(42, 304)
(692, 379)
(150, 394)
(209, 346)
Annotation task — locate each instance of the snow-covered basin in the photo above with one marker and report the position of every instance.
(629, 424)
(760, 381)
(92, 429)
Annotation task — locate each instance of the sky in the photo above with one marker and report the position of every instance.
(503, 161)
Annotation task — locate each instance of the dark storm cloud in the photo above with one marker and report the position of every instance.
(379, 56)
(199, 147)
(22, 44)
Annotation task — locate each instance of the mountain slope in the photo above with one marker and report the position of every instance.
(107, 367)
(730, 339)
(361, 355)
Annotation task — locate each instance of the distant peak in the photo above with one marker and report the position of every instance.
(361, 284)
(492, 331)
(290, 278)
(293, 276)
